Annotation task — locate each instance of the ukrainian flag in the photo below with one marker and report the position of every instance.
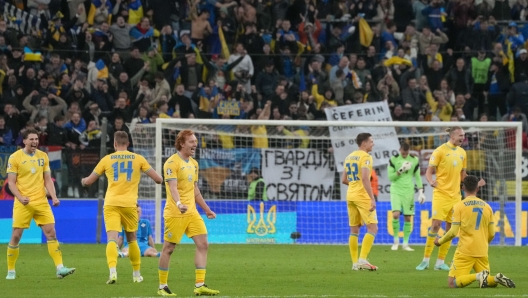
(511, 62)
(102, 70)
(135, 12)
(93, 8)
(29, 55)
(64, 68)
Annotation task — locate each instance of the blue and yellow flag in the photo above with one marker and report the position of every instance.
(93, 8)
(102, 70)
(135, 12)
(511, 63)
(223, 43)
(29, 55)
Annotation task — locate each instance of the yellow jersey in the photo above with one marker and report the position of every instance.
(186, 173)
(474, 217)
(354, 162)
(123, 170)
(260, 136)
(449, 161)
(29, 169)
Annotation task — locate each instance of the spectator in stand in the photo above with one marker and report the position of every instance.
(497, 88)
(181, 103)
(143, 117)
(518, 93)
(516, 115)
(6, 135)
(267, 80)
(13, 119)
(162, 88)
(435, 12)
(142, 35)
(440, 107)
(412, 99)
(244, 70)
(480, 67)
(459, 79)
(44, 108)
(120, 31)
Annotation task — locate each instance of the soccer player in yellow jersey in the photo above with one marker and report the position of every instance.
(360, 200)
(29, 177)
(181, 215)
(472, 221)
(449, 160)
(123, 170)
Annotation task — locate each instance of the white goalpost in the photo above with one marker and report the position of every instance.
(300, 162)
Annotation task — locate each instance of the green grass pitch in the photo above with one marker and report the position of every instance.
(258, 271)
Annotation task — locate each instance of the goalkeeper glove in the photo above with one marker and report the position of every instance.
(421, 196)
(404, 167)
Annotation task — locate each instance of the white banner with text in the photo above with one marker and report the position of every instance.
(343, 138)
(298, 174)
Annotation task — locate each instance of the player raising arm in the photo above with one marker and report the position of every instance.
(29, 176)
(123, 171)
(180, 214)
(360, 201)
(472, 221)
(401, 170)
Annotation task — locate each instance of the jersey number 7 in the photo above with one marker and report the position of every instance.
(352, 172)
(119, 168)
(479, 217)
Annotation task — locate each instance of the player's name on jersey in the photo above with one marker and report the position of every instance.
(471, 203)
(123, 156)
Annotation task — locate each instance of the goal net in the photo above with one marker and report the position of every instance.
(300, 163)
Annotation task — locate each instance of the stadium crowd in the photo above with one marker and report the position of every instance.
(133, 61)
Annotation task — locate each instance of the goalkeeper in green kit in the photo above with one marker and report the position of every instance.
(402, 168)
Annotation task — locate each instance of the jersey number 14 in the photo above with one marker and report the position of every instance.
(119, 168)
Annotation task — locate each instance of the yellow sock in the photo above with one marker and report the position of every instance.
(111, 253)
(200, 276)
(163, 274)
(429, 244)
(465, 280)
(134, 254)
(491, 281)
(12, 256)
(444, 249)
(55, 252)
(366, 245)
(353, 246)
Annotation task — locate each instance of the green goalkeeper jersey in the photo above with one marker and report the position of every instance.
(403, 184)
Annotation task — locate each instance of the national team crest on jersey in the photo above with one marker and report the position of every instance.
(189, 178)
(33, 170)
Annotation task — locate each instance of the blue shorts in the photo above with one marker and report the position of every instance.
(143, 248)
